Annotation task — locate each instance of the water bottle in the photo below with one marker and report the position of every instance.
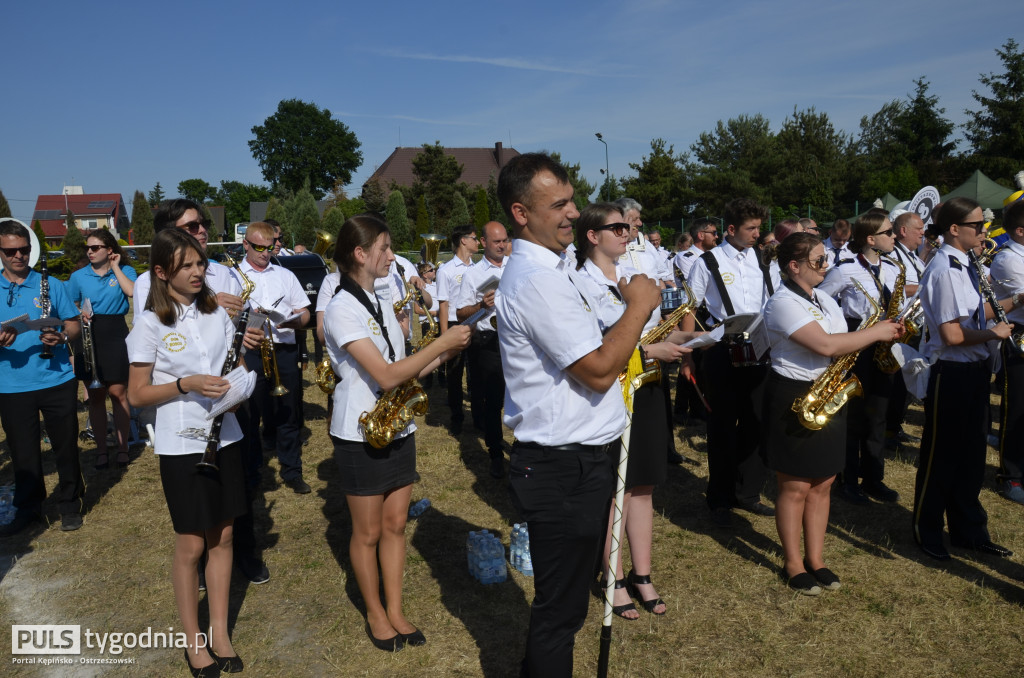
(419, 507)
(527, 559)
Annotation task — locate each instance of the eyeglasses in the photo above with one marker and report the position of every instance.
(711, 232)
(12, 294)
(279, 239)
(976, 225)
(96, 248)
(817, 264)
(618, 229)
(193, 226)
(258, 248)
(888, 233)
(11, 251)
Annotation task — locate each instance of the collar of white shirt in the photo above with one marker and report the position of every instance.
(539, 255)
(732, 252)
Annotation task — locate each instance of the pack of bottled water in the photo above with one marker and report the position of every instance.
(7, 509)
(519, 552)
(486, 557)
(417, 509)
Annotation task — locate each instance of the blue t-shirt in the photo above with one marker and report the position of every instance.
(104, 292)
(21, 368)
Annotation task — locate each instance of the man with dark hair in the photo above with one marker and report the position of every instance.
(705, 237)
(34, 383)
(732, 279)
(836, 245)
(562, 401)
(449, 282)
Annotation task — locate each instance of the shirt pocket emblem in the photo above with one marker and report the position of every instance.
(815, 313)
(728, 278)
(374, 327)
(175, 342)
(113, 282)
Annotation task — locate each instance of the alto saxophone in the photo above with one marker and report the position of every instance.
(639, 371)
(884, 359)
(830, 391)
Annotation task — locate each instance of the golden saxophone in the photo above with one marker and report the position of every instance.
(638, 374)
(830, 391)
(884, 359)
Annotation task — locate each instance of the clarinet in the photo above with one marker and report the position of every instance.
(44, 302)
(1016, 343)
(209, 459)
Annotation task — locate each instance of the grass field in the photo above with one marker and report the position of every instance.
(729, 614)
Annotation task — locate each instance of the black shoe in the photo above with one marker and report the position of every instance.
(22, 519)
(633, 580)
(455, 427)
(208, 671)
(415, 639)
(620, 609)
(721, 517)
(676, 458)
(102, 465)
(907, 439)
(253, 569)
(228, 664)
(988, 547)
(853, 494)
(392, 644)
(757, 508)
(804, 583)
(881, 492)
(497, 468)
(298, 485)
(826, 577)
(938, 552)
(202, 580)
(69, 522)
(269, 444)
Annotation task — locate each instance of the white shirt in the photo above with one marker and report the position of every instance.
(642, 257)
(785, 313)
(601, 292)
(475, 276)
(831, 250)
(449, 280)
(346, 320)
(219, 278)
(684, 260)
(273, 283)
(910, 260)
(1008, 278)
(839, 283)
(545, 324)
(196, 344)
(948, 293)
(664, 259)
(743, 280)
(396, 285)
(431, 289)
(326, 293)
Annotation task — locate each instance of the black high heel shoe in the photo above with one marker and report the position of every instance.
(208, 671)
(619, 609)
(228, 664)
(633, 580)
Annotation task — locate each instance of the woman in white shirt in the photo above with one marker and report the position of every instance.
(177, 350)
(428, 273)
(807, 329)
(366, 345)
(601, 239)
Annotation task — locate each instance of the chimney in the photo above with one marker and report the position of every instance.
(497, 153)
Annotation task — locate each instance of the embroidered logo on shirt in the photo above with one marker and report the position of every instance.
(113, 282)
(374, 327)
(612, 298)
(728, 278)
(174, 342)
(815, 313)
(38, 304)
(458, 279)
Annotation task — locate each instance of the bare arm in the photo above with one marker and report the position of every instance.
(390, 375)
(955, 334)
(812, 337)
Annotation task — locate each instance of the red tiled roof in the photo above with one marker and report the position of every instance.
(79, 205)
(477, 164)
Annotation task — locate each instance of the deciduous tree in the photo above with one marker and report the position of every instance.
(196, 190)
(398, 220)
(235, 196)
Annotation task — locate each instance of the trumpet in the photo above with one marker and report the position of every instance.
(269, 359)
(89, 349)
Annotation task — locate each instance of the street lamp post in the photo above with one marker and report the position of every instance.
(607, 173)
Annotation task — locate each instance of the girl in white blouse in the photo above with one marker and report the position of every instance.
(177, 350)
(806, 329)
(367, 349)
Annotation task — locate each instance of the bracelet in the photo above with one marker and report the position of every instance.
(180, 389)
(1016, 299)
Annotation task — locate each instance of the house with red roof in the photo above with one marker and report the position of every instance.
(91, 210)
(478, 164)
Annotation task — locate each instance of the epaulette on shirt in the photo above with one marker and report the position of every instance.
(687, 254)
(845, 261)
(955, 263)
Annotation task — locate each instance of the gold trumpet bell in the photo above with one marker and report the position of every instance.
(278, 391)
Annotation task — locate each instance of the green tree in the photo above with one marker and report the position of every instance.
(737, 159)
(398, 220)
(5, 208)
(142, 224)
(276, 211)
(235, 196)
(74, 240)
(460, 213)
(196, 190)
(996, 129)
(373, 196)
(334, 217)
(422, 216)
(303, 218)
(437, 178)
(493, 204)
(582, 189)
(353, 206)
(302, 141)
(37, 228)
(660, 184)
(481, 210)
(336, 195)
(815, 155)
(156, 196)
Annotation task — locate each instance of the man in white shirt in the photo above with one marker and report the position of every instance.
(277, 290)
(705, 237)
(688, 405)
(449, 281)
(663, 257)
(732, 279)
(487, 385)
(639, 255)
(838, 239)
(562, 401)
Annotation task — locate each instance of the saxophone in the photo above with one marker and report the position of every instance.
(884, 359)
(830, 392)
(640, 371)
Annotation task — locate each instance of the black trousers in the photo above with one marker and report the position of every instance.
(19, 413)
(952, 464)
(865, 429)
(564, 496)
(488, 392)
(898, 402)
(284, 412)
(736, 472)
(1011, 417)
(455, 368)
(687, 399)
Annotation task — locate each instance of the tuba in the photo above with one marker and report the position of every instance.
(324, 243)
(884, 359)
(432, 246)
(830, 391)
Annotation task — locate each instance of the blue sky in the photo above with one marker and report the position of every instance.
(117, 96)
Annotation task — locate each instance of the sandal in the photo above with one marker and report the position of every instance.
(102, 465)
(619, 609)
(649, 605)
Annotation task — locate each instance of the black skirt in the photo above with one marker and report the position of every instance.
(108, 336)
(788, 446)
(648, 439)
(366, 471)
(201, 499)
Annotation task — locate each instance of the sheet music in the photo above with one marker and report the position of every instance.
(242, 384)
(706, 339)
(17, 325)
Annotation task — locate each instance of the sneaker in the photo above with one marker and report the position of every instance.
(1013, 491)
(69, 522)
(853, 494)
(253, 569)
(497, 468)
(804, 583)
(298, 485)
(881, 492)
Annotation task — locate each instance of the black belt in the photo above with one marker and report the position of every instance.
(281, 346)
(571, 447)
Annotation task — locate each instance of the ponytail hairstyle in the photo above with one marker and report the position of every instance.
(168, 252)
(866, 225)
(361, 230)
(593, 216)
(795, 247)
(954, 211)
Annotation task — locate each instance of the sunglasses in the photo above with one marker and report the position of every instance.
(888, 233)
(618, 229)
(11, 251)
(976, 225)
(819, 263)
(258, 248)
(96, 248)
(193, 226)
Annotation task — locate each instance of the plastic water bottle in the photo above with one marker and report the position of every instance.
(514, 549)
(7, 509)
(419, 507)
(527, 560)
